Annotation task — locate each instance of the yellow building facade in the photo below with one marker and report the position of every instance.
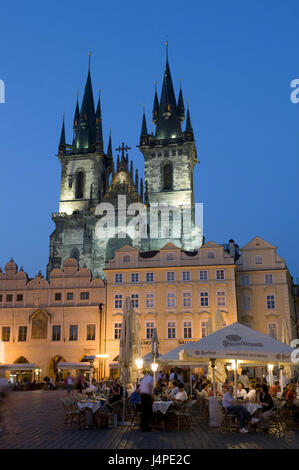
(266, 293)
(43, 322)
(171, 290)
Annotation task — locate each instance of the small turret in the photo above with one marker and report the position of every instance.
(99, 129)
(62, 145)
(156, 106)
(181, 107)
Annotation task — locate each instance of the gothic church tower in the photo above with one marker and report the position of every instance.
(170, 157)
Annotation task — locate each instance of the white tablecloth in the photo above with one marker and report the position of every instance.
(161, 406)
(93, 406)
(251, 407)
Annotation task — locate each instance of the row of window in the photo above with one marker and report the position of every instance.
(245, 279)
(171, 329)
(170, 276)
(57, 296)
(167, 153)
(171, 299)
(270, 302)
(56, 333)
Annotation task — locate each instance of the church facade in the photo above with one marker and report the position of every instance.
(89, 178)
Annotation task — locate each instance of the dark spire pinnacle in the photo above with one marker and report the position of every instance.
(181, 107)
(136, 178)
(99, 128)
(131, 169)
(168, 122)
(62, 146)
(156, 106)
(86, 136)
(189, 129)
(144, 126)
(109, 150)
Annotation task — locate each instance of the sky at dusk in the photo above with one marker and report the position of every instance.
(236, 60)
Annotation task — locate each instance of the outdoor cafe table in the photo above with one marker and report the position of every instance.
(161, 406)
(92, 406)
(251, 407)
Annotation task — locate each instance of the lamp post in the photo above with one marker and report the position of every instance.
(213, 365)
(139, 365)
(103, 357)
(270, 369)
(154, 368)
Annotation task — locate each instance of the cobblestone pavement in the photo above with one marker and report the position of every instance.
(34, 420)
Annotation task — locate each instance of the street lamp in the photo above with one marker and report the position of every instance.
(270, 369)
(154, 367)
(103, 357)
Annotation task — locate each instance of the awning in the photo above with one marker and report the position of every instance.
(234, 342)
(75, 365)
(20, 366)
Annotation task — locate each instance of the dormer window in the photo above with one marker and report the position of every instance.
(170, 256)
(211, 254)
(126, 259)
(259, 260)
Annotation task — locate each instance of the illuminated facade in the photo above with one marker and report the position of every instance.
(43, 322)
(266, 291)
(172, 290)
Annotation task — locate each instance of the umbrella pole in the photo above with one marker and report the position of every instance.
(190, 381)
(214, 384)
(124, 423)
(235, 377)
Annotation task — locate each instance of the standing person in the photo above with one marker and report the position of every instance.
(146, 389)
(69, 383)
(80, 382)
(243, 378)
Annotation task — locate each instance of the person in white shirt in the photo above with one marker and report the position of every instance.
(251, 394)
(181, 395)
(232, 406)
(241, 392)
(146, 389)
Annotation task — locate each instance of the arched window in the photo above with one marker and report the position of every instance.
(79, 185)
(167, 176)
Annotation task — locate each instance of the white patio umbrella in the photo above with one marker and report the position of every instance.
(218, 320)
(285, 338)
(218, 372)
(128, 347)
(209, 326)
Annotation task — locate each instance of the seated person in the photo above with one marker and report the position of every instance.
(205, 390)
(274, 389)
(135, 398)
(267, 404)
(115, 395)
(181, 395)
(241, 392)
(290, 396)
(232, 406)
(251, 395)
(172, 389)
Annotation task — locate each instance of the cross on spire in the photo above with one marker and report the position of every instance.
(123, 149)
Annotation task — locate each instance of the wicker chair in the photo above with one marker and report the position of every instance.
(111, 411)
(230, 422)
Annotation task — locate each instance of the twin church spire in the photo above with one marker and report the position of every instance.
(168, 114)
(87, 125)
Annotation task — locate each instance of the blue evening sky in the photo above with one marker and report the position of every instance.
(236, 60)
